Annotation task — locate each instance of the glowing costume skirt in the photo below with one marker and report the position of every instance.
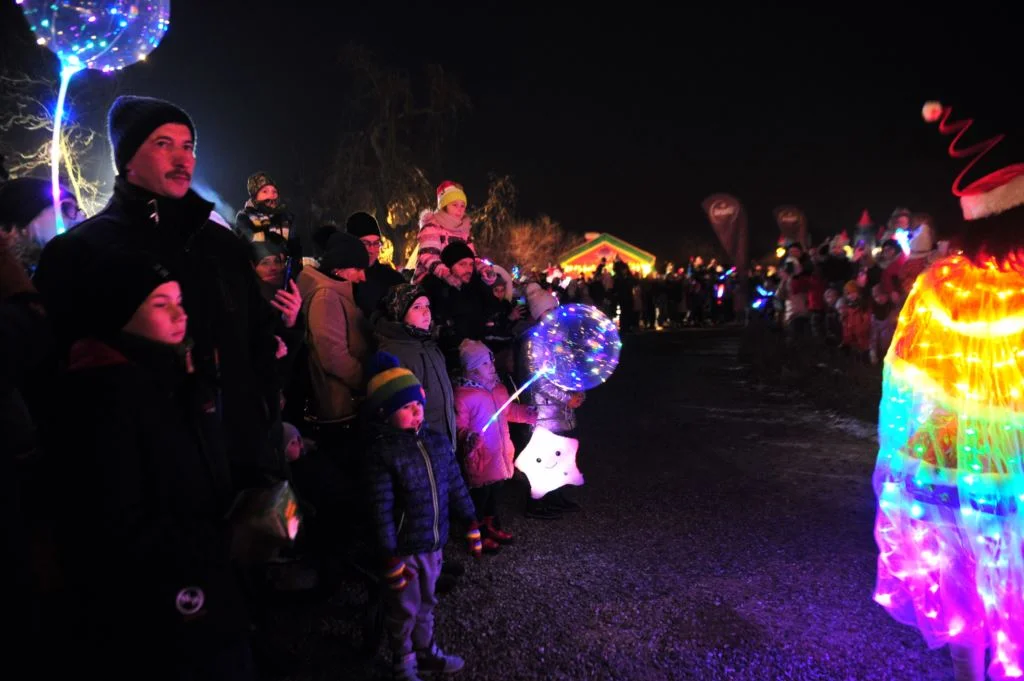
(948, 479)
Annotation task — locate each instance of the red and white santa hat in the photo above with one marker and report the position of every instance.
(995, 191)
(449, 191)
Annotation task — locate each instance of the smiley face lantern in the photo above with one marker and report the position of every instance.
(549, 462)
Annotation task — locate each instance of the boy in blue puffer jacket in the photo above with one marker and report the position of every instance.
(414, 479)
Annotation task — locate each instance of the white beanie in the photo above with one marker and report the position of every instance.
(539, 300)
(473, 354)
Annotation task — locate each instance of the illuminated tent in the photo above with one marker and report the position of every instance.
(587, 256)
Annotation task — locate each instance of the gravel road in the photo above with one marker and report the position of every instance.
(726, 534)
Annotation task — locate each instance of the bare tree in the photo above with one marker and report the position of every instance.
(392, 134)
(536, 244)
(26, 124)
(492, 220)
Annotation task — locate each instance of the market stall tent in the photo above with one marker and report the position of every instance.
(587, 256)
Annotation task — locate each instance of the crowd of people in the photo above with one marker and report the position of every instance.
(191, 404)
(849, 292)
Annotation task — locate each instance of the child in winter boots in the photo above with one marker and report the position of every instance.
(485, 444)
(414, 481)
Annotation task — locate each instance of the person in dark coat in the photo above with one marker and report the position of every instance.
(277, 284)
(405, 329)
(264, 214)
(154, 211)
(414, 481)
(24, 344)
(460, 312)
(143, 488)
(379, 277)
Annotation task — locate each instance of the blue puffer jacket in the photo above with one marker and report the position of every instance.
(414, 479)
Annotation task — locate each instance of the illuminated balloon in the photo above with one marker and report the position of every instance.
(549, 462)
(104, 35)
(578, 345)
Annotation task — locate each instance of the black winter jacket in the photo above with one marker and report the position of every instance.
(231, 323)
(414, 480)
(143, 486)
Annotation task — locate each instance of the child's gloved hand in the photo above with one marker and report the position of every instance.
(576, 401)
(474, 541)
(395, 574)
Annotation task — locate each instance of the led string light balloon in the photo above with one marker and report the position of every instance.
(103, 35)
(579, 344)
(576, 347)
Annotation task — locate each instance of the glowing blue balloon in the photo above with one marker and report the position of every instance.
(104, 35)
(578, 344)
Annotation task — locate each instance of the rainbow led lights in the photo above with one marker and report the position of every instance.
(949, 479)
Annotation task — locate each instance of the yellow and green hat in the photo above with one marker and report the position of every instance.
(392, 386)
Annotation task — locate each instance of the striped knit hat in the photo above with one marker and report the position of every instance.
(391, 387)
(449, 191)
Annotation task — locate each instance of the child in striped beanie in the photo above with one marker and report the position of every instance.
(413, 476)
(446, 225)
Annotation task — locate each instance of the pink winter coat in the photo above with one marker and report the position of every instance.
(491, 458)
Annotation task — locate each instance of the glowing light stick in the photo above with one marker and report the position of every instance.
(103, 35)
(903, 239)
(533, 379)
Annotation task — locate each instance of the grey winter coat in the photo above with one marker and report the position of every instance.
(423, 358)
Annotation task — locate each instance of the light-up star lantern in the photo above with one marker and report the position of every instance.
(549, 462)
(105, 35)
(579, 344)
(949, 476)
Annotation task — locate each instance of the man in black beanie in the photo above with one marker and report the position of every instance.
(155, 211)
(379, 277)
(463, 311)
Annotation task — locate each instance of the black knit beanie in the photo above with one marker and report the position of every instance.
(344, 250)
(454, 252)
(362, 224)
(116, 285)
(23, 199)
(132, 119)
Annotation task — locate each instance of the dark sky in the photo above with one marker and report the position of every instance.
(620, 120)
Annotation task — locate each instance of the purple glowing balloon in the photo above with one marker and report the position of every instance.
(577, 344)
(104, 35)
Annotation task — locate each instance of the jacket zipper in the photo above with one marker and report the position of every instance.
(433, 490)
(502, 438)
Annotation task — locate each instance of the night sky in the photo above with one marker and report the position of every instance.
(620, 120)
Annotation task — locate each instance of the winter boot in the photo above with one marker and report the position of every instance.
(450, 567)
(496, 533)
(445, 583)
(405, 668)
(490, 546)
(559, 500)
(433, 660)
(541, 511)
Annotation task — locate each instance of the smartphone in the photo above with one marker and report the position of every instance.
(287, 273)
